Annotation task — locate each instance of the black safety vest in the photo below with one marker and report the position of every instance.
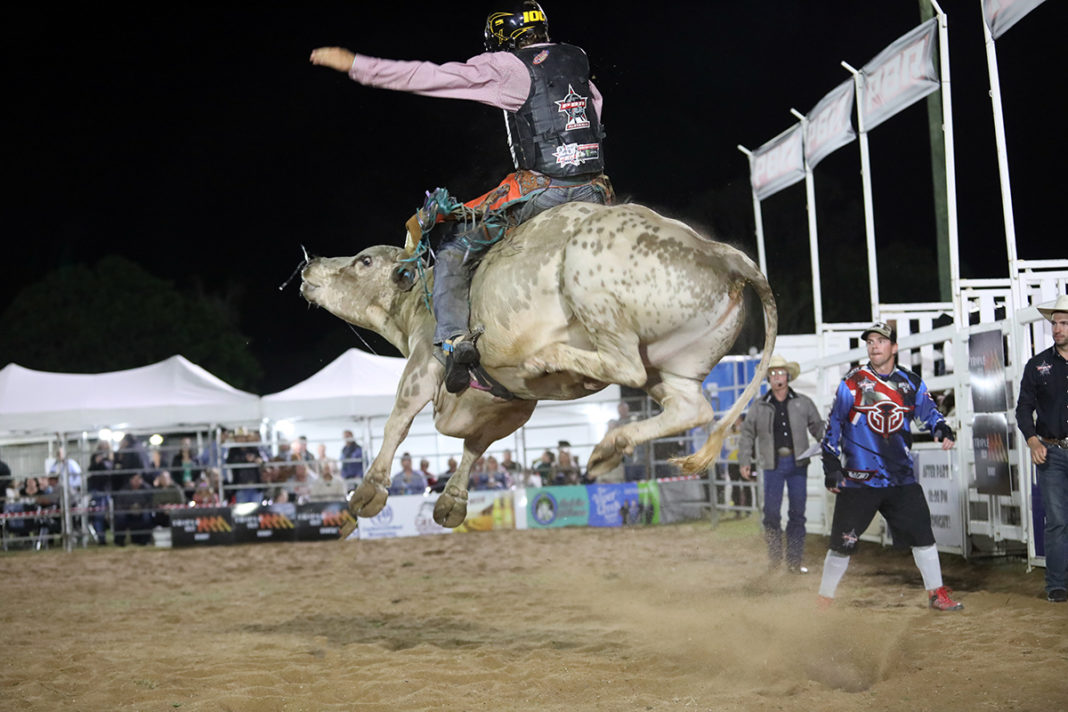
(557, 131)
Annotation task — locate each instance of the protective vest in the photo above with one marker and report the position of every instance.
(557, 131)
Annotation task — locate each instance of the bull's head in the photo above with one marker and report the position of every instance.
(373, 290)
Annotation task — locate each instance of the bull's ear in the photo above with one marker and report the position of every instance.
(404, 277)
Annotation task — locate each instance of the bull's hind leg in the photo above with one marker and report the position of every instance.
(451, 508)
(615, 357)
(684, 407)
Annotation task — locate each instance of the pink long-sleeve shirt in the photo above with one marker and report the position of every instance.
(499, 79)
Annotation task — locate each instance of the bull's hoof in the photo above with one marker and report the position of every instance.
(451, 508)
(601, 463)
(368, 499)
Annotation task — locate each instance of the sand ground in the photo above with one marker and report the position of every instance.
(681, 617)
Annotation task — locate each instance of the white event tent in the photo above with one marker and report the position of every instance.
(356, 383)
(171, 393)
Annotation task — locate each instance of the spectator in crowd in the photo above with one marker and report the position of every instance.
(165, 493)
(545, 466)
(324, 463)
(185, 468)
(510, 466)
(443, 478)
(1042, 417)
(246, 467)
(870, 425)
(206, 491)
(214, 454)
(133, 511)
(489, 477)
(101, 484)
(299, 450)
(531, 478)
(566, 472)
(300, 484)
(156, 466)
(327, 487)
(280, 470)
(779, 423)
(424, 470)
(280, 502)
(131, 457)
(54, 466)
(351, 458)
(406, 480)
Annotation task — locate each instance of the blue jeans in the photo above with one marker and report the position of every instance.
(1053, 481)
(795, 480)
(455, 261)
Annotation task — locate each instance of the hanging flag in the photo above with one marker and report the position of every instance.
(900, 75)
(827, 126)
(778, 163)
(1000, 15)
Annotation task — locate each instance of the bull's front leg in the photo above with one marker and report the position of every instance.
(413, 392)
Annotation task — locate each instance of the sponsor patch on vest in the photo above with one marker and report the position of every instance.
(540, 57)
(574, 154)
(574, 105)
(1044, 368)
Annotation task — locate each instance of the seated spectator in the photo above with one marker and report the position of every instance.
(424, 470)
(282, 471)
(406, 480)
(246, 467)
(510, 466)
(165, 493)
(299, 485)
(328, 487)
(206, 491)
(443, 478)
(323, 464)
(491, 477)
(184, 467)
(133, 512)
(544, 466)
(566, 472)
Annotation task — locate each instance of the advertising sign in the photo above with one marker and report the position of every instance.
(317, 521)
(488, 510)
(986, 370)
(403, 515)
(612, 505)
(827, 126)
(557, 507)
(253, 522)
(990, 443)
(201, 526)
(900, 75)
(934, 470)
(778, 164)
(1000, 15)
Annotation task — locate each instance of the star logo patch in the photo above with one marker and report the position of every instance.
(574, 106)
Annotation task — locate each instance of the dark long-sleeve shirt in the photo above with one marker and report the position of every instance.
(1042, 408)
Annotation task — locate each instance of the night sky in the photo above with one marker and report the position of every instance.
(201, 143)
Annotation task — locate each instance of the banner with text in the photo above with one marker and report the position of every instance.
(934, 470)
(828, 126)
(403, 515)
(488, 510)
(1000, 15)
(986, 372)
(777, 164)
(202, 526)
(900, 75)
(990, 443)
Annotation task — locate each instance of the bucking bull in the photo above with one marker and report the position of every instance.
(577, 298)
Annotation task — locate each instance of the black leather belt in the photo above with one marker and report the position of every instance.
(1051, 442)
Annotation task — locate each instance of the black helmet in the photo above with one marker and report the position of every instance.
(522, 19)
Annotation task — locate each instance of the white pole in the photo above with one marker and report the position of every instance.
(813, 240)
(869, 210)
(1003, 161)
(951, 175)
(757, 216)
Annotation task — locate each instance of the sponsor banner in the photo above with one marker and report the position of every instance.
(403, 515)
(900, 75)
(990, 443)
(202, 526)
(321, 520)
(488, 510)
(682, 500)
(934, 470)
(557, 507)
(254, 522)
(778, 164)
(828, 126)
(613, 505)
(648, 502)
(986, 370)
(1000, 15)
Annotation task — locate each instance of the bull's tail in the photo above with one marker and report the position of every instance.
(708, 453)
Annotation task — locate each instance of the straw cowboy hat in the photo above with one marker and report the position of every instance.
(1061, 305)
(792, 367)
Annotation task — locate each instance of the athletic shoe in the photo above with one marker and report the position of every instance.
(797, 569)
(1057, 595)
(940, 600)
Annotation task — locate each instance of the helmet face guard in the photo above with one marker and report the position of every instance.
(505, 28)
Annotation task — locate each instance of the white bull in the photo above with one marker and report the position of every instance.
(579, 297)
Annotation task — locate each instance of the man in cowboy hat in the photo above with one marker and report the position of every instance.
(1042, 416)
(779, 422)
(869, 425)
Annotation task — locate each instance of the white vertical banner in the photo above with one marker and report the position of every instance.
(1000, 15)
(900, 75)
(827, 125)
(778, 164)
(936, 474)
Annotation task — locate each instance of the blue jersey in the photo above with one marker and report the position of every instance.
(869, 424)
